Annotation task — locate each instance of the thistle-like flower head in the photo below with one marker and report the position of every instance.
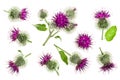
(84, 41)
(14, 34)
(13, 67)
(61, 20)
(82, 64)
(23, 14)
(45, 59)
(102, 14)
(107, 67)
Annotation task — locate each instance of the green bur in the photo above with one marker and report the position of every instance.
(70, 13)
(51, 65)
(14, 13)
(102, 23)
(111, 32)
(22, 38)
(70, 27)
(20, 61)
(75, 58)
(104, 59)
(43, 14)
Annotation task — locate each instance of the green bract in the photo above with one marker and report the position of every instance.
(20, 61)
(104, 59)
(70, 13)
(14, 13)
(75, 58)
(23, 38)
(102, 23)
(51, 65)
(43, 14)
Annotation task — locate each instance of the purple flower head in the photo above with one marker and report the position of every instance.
(45, 59)
(23, 14)
(84, 41)
(107, 67)
(13, 67)
(60, 20)
(82, 64)
(102, 14)
(14, 34)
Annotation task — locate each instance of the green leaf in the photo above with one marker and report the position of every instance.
(58, 37)
(63, 57)
(41, 27)
(111, 32)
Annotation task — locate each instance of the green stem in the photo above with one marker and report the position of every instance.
(62, 49)
(49, 36)
(29, 41)
(48, 24)
(101, 51)
(102, 34)
(28, 55)
(57, 72)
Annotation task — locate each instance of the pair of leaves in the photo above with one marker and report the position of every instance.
(111, 32)
(41, 27)
(63, 57)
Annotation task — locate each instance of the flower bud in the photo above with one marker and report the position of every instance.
(43, 14)
(71, 13)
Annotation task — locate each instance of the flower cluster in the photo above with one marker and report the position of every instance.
(104, 58)
(19, 62)
(61, 20)
(16, 34)
(50, 64)
(15, 13)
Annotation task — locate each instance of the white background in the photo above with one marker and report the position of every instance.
(86, 24)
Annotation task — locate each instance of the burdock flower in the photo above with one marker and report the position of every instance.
(61, 20)
(13, 67)
(84, 41)
(102, 20)
(50, 64)
(102, 14)
(21, 37)
(107, 67)
(19, 62)
(45, 59)
(82, 64)
(23, 14)
(15, 13)
(106, 62)
(14, 34)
